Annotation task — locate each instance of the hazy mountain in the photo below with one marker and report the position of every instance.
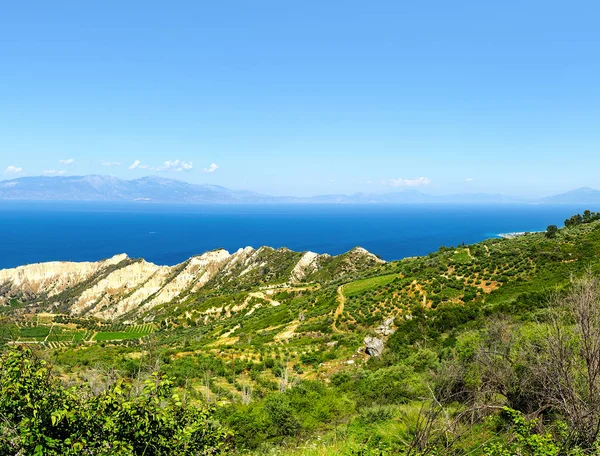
(584, 195)
(406, 197)
(107, 188)
(157, 189)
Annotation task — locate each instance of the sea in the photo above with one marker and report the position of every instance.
(167, 234)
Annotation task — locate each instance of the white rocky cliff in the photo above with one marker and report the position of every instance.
(120, 285)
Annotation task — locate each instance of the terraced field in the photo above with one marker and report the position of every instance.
(360, 286)
(60, 335)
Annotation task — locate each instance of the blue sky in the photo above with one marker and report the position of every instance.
(306, 97)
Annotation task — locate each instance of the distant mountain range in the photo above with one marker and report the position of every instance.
(161, 190)
(583, 195)
(108, 188)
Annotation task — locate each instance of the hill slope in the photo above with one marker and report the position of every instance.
(120, 285)
(296, 346)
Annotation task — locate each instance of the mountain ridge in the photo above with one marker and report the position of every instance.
(103, 188)
(120, 285)
(583, 195)
(108, 188)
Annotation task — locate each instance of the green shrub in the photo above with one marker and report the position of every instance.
(525, 442)
(42, 417)
(281, 415)
(376, 414)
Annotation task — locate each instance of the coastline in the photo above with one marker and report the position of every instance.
(515, 234)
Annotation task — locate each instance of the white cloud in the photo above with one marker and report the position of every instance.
(54, 172)
(169, 165)
(211, 169)
(177, 165)
(138, 165)
(13, 170)
(109, 163)
(68, 161)
(469, 179)
(400, 182)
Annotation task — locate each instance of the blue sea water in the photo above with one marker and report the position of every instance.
(168, 234)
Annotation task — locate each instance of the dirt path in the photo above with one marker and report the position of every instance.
(261, 295)
(340, 308)
(306, 287)
(288, 333)
(421, 291)
(48, 335)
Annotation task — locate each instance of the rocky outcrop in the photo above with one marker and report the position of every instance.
(374, 345)
(119, 286)
(308, 264)
(366, 255)
(385, 329)
(54, 277)
(122, 291)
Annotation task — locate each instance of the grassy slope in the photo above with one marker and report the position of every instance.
(435, 300)
(492, 275)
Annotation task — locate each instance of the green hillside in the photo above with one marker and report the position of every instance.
(491, 349)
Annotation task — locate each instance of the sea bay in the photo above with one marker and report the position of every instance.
(32, 232)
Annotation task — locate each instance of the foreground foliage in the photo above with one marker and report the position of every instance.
(39, 416)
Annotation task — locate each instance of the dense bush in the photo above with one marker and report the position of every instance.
(40, 416)
(376, 413)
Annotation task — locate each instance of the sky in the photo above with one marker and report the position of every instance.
(305, 97)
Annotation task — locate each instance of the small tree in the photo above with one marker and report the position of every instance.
(570, 368)
(281, 415)
(551, 231)
(574, 220)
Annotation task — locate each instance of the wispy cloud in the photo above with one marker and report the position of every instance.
(177, 165)
(109, 163)
(168, 166)
(138, 165)
(211, 169)
(68, 161)
(401, 182)
(469, 179)
(13, 170)
(54, 172)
